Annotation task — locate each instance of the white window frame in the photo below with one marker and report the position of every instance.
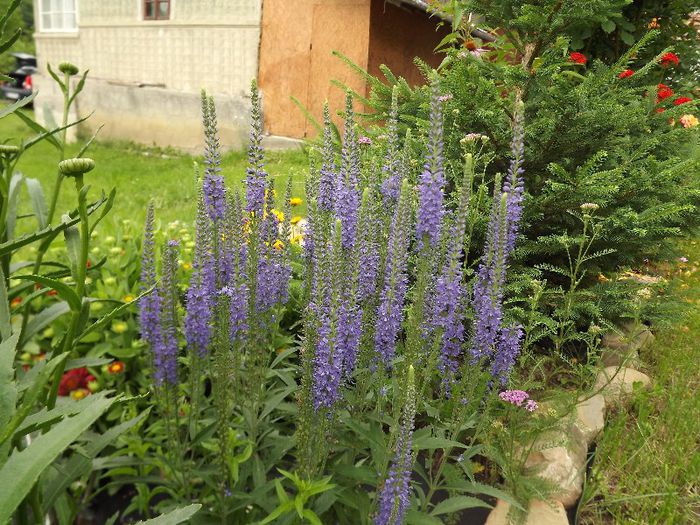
(41, 13)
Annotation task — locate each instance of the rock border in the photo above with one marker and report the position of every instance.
(565, 465)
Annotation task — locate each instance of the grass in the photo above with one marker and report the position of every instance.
(647, 466)
(140, 174)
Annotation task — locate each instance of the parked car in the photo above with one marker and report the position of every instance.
(21, 84)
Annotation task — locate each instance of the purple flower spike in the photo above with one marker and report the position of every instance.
(327, 364)
(347, 199)
(390, 311)
(256, 176)
(432, 180)
(165, 351)
(149, 305)
(327, 175)
(395, 495)
(200, 294)
(213, 184)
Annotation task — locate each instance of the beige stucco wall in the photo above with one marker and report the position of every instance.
(149, 73)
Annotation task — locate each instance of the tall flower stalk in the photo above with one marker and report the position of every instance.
(394, 497)
(493, 342)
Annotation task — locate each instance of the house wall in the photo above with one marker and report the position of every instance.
(145, 76)
(298, 38)
(397, 35)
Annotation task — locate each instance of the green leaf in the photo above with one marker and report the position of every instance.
(79, 465)
(8, 389)
(8, 13)
(5, 316)
(42, 136)
(24, 467)
(87, 361)
(9, 110)
(33, 421)
(173, 517)
(627, 38)
(45, 371)
(275, 400)
(64, 291)
(89, 142)
(38, 128)
(36, 194)
(47, 233)
(414, 517)
(13, 197)
(431, 443)
(608, 26)
(7, 44)
(104, 320)
(311, 516)
(71, 235)
(282, 509)
(458, 503)
(43, 319)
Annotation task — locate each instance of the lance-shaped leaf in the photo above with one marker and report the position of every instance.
(24, 467)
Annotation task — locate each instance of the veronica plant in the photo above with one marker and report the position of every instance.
(391, 366)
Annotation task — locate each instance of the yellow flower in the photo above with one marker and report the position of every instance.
(119, 327)
(79, 394)
(128, 298)
(688, 121)
(296, 239)
(295, 219)
(278, 245)
(186, 266)
(295, 201)
(278, 214)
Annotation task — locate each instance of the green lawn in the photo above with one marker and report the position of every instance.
(647, 466)
(140, 174)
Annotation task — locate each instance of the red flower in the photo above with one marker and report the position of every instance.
(669, 58)
(682, 100)
(660, 110)
(579, 58)
(663, 92)
(626, 73)
(73, 380)
(52, 292)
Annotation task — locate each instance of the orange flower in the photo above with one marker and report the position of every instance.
(116, 368)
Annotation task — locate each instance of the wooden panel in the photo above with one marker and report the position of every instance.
(337, 27)
(397, 35)
(284, 64)
(295, 58)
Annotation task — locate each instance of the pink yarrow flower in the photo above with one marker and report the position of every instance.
(519, 398)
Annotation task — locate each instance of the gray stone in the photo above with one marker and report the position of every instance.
(560, 458)
(539, 513)
(629, 338)
(590, 418)
(617, 383)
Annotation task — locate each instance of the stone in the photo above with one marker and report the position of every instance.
(560, 458)
(619, 357)
(617, 383)
(539, 513)
(629, 338)
(590, 418)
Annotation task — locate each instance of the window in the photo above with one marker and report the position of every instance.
(58, 15)
(156, 9)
